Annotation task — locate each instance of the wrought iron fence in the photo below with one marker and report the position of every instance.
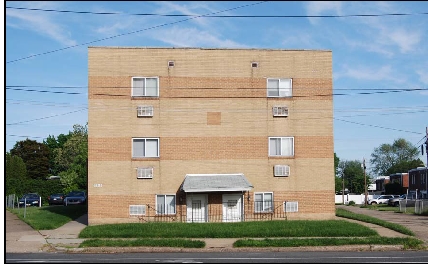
(220, 212)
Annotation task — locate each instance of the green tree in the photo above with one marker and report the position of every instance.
(73, 156)
(69, 180)
(16, 173)
(337, 176)
(387, 156)
(404, 166)
(53, 144)
(35, 156)
(353, 175)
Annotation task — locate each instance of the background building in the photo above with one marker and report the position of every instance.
(199, 134)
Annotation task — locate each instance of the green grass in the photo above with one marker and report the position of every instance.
(146, 242)
(49, 217)
(368, 219)
(408, 242)
(296, 233)
(263, 229)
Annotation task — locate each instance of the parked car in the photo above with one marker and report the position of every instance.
(75, 197)
(30, 199)
(408, 200)
(383, 199)
(56, 198)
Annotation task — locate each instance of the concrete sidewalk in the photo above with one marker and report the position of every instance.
(21, 238)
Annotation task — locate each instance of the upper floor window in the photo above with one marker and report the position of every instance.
(145, 86)
(279, 87)
(145, 147)
(281, 146)
(165, 204)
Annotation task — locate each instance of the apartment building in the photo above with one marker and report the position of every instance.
(204, 135)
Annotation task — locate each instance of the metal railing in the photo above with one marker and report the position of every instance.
(220, 212)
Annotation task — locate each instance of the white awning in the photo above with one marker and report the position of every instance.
(215, 183)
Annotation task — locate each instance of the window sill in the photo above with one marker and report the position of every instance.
(281, 157)
(133, 97)
(145, 158)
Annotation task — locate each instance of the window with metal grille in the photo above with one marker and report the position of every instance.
(137, 210)
(280, 111)
(290, 207)
(281, 170)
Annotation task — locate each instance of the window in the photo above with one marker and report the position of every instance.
(165, 204)
(137, 210)
(281, 146)
(145, 147)
(143, 86)
(279, 87)
(263, 202)
(290, 207)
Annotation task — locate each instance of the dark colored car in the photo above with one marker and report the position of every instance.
(75, 197)
(56, 198)
(30, 199)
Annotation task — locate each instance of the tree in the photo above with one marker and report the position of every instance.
(337, 178)
(53, 144)
(16, 172)
(73, 155)
(35, 156)
(353, 175)
(387, 156)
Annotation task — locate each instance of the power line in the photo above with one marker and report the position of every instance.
(215, 16)
(133, 32)
(16, 123)
(377, 126)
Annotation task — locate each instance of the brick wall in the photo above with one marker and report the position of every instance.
(212, 116)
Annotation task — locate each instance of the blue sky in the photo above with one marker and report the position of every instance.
(380, 76)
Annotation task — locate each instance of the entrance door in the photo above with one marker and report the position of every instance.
(196, 205)
(232, 207)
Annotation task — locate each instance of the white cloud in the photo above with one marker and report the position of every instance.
(315, 8)
(171, 7)
(370, 74)
(192, 37)
(423, 76)
(40, 23)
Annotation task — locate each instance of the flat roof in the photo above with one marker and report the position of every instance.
(201, 48)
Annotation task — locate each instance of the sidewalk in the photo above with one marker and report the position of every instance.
(21, 238)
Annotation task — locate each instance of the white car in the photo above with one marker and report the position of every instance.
(383, 199)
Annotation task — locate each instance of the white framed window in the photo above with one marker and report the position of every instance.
(145, 147)
(290, 207)
(165, 204)
(144, 110)
(145, 86)
(280, 111)
(139, 209)
(281, 146)
(277, 87)
(263, 202)
(144, 172)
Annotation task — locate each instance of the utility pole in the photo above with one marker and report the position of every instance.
(426, 167)
(365, 182)
(343, 188)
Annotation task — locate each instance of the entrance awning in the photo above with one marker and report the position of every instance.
(215, 183)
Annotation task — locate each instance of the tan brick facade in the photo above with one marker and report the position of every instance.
(212, 116)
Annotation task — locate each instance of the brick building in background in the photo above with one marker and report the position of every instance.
(199, 134)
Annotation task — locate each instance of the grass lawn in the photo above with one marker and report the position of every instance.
(251, 234)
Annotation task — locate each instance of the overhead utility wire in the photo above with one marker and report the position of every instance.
(332, 94)
(377, 126)
(133, 32)
(220, 16)
(209, 88)
(44, 117)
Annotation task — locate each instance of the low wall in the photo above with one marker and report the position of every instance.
(357, 198)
